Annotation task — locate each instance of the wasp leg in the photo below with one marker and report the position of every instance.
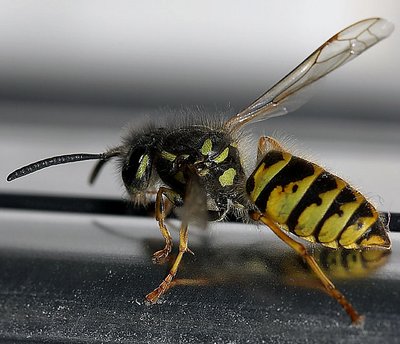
(161, 213)
(302, 251)
(265, 143)
(190, 282)
(166, 283)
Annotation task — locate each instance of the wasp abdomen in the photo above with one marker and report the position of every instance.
(314, 204)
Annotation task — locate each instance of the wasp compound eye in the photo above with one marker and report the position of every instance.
(136, 171)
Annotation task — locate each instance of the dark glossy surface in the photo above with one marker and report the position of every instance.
(82, 278)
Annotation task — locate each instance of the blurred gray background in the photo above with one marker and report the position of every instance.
(74, 73)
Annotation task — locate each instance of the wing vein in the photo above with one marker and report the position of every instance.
(285, 96)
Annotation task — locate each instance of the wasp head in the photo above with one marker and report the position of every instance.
(136, 169)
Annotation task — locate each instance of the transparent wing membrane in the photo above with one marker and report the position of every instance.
(194, 210)
(288, 94)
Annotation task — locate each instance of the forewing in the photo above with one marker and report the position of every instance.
(287, 94)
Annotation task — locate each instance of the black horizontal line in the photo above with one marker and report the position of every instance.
(69, 204)
(101, 206)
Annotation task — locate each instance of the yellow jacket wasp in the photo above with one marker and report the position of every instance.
(199, 168)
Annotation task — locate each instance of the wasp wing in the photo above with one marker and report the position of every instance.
(194, 209)
(338, 50)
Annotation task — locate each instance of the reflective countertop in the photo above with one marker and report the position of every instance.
(69, 277)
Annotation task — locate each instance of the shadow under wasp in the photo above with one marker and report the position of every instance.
(199, 169)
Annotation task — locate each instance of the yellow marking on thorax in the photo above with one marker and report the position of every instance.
(221, 157)
(142, 167)
(334, 224)
(264, 175)
(207, 147)
(313, 214)
(356, 230)
(227, 177)
(168, 156)
(282, 200)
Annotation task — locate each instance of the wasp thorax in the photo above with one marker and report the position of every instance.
(136, 170)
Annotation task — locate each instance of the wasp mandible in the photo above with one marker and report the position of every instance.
(199, 169)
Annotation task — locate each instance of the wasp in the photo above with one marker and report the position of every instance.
(198, 170)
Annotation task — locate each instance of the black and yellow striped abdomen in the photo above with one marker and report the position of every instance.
(314, 204)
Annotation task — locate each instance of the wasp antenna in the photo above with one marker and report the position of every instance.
(55, 160)
(96, 171)
(113, 152)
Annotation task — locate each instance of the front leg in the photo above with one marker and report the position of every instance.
(167, 281)
(161, 213)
